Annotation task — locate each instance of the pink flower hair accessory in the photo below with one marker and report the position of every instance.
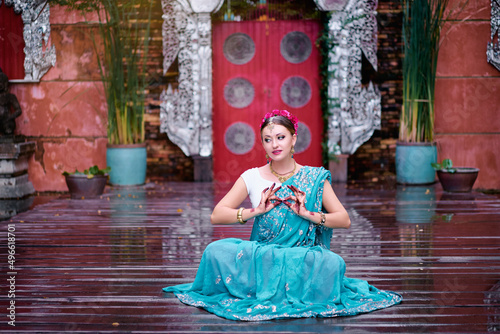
(284, 113)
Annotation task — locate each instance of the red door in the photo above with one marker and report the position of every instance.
(11, 43)
(258, 67)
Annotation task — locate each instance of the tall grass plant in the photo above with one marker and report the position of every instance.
(422, 24)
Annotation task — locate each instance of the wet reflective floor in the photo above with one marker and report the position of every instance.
(99, 265)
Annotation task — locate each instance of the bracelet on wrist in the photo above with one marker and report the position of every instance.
(323, 219)
(238, 216)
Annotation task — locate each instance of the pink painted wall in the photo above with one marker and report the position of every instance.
(468, 96)
(65, 113)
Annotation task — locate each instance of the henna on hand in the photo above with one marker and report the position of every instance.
(269, 200)
(298, 198)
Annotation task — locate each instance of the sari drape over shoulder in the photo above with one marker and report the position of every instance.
(285, 270)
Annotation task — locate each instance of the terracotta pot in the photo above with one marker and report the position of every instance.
(460, 181)
(81, 187)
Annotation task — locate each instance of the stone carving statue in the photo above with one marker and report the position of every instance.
(8, 102)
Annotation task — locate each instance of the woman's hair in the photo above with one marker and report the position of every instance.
(280, 117)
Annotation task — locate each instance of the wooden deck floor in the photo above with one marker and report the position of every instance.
(98, 266)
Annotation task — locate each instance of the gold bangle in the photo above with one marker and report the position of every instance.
(238, 216)
(323, 219)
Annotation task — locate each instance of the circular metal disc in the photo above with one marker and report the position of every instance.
(296, 47)
(239, 48)
(296, 92)
(303, 138)
(239, 138)
(239, 92)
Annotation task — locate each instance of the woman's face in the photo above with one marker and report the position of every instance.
(277, 141)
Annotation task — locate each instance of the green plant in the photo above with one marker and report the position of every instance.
(326, 44)
(446, 165)
(422, 23)
(122, 49)
(91, 172)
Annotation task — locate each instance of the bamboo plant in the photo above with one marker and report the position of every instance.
(422, 24)
(122, 49)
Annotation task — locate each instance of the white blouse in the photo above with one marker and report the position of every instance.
(256, 184)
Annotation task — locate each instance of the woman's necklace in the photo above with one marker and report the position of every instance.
(283, 177)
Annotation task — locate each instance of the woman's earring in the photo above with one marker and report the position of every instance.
(267, 158)
(292, 151)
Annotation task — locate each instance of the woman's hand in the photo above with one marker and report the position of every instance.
(298, 204)
(268, 200)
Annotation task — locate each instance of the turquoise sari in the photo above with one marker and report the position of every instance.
(286, 270)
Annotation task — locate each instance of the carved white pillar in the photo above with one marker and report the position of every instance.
(39, 55)
(355, 111)
(205, 83)
(186, 112)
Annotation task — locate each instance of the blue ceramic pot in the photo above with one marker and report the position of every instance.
(128, 164)
(413, 163)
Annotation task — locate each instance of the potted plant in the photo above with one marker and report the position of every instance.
(122, 49)
(87, 184)
(416, 149)
(455, 179)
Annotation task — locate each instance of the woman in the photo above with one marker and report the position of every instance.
(286, 270)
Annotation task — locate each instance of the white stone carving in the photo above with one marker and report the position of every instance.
(40, 56)
(205, 6)
(493, 49)
(355, 111)
(330, 5)
(186, 112)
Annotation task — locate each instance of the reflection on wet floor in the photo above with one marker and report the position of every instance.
(99, 264)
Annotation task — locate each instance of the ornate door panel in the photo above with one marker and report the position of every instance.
(258, 67)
